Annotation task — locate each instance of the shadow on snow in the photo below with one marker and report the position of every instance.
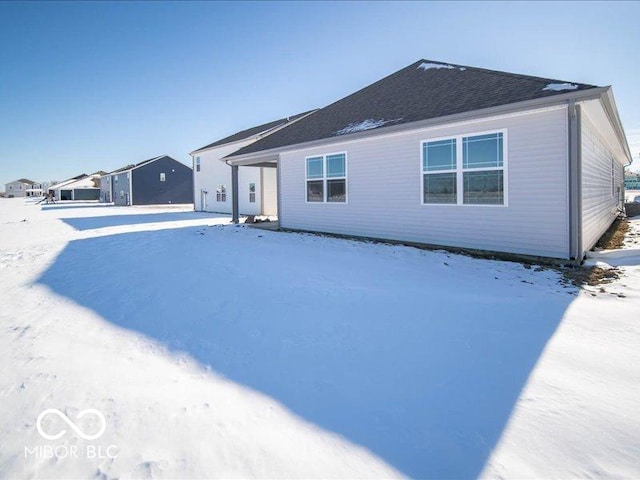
(90, 223)
(67, 206)
(417, 361)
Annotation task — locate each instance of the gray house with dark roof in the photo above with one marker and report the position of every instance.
(455, 156)
(212, 182)
(156, 181)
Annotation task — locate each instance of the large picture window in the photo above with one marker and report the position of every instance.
(464, 170)
(327, 178)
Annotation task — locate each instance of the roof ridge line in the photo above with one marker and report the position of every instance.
(506, 74)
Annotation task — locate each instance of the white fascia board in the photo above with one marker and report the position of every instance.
(128, 170)
(146, 163)
(150, 162)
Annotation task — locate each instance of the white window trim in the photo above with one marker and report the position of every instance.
(459, 170)
(219, 187)
(324, 178)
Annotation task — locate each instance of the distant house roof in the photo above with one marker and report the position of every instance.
(424, 90)
(88, 181)
(67, 181)
(255, 131)
(134, 165)
(140, 164)
(24, 180)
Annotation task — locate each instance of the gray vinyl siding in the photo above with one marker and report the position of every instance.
(600, 202)
(121, 188)
(384, 190)
(177, 187)
(105, 189)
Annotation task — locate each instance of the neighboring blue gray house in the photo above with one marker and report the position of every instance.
(156, 181)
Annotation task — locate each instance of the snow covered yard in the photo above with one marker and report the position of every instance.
(221, 351)
(630, 195)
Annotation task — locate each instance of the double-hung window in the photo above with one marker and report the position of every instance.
(221, 193)
(464, 170)
(439, 171)
(483, 169)
(327, 178)
(197, 164)
(252, 193)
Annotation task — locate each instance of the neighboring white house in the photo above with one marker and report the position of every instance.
(455, 156)
(22, 188)
(256, 185)
(81, 187)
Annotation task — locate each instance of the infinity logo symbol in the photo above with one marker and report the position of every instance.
(74, 427)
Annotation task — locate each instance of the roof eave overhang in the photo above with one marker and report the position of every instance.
(609, 106)
(257, 136)
(580, 95)
(119, 171)
(255, 160)
(135, 167)
(204, 149)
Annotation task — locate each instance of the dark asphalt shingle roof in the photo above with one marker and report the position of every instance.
(412, 94)
(25, 180)
(134, 165)
(250, 132)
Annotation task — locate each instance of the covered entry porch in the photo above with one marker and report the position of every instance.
(268, 188)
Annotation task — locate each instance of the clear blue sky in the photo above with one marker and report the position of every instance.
(89, 86)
